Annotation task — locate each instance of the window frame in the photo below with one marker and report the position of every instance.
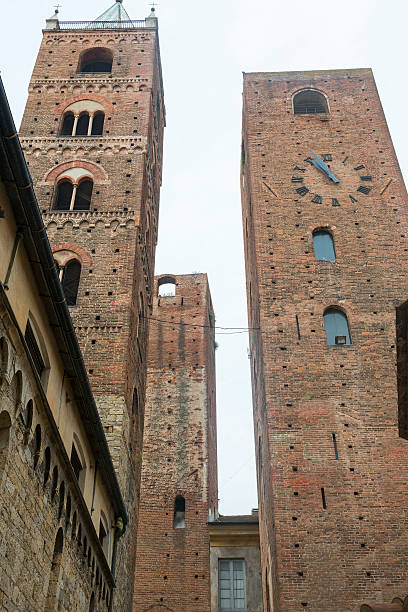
(232, 580)
(314, 90)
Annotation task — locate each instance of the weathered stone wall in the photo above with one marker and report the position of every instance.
(173, 565)
(38, 501)
(308, 396)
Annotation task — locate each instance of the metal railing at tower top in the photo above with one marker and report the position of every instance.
(103, 25)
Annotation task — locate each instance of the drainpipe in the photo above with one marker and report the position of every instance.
(118, 533)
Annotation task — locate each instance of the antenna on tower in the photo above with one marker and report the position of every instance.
(153, 4)
(57, 6)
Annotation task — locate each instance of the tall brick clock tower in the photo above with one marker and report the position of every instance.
(92, 132)
(325, 226)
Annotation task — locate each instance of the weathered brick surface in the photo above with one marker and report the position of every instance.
(179, 452)
(31, 512)
(115, 240)
(304, 391)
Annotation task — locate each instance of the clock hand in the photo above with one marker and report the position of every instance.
(320, 165)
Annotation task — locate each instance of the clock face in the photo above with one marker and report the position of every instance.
(331, 180)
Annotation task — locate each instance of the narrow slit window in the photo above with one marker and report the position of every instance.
(337, 327)
(323, 245)
(336, 452)
(323, 498)
(179, 512)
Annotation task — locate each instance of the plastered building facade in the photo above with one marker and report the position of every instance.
(60, 503)
(179, 474)
(325, 222)
(92, 134)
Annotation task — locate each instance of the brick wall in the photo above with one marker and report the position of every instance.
(179, 453)
(115, 240)
(305, 392)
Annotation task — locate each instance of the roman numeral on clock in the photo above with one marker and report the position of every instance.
(364, 189)
(302, 191)
(297, 179)
(335, 202)
(352, 198)
(360, 167)
(366, 178)
(317, 199)
(327, 157)
(299, 169)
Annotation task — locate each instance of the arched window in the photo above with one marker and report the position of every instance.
(97, 124)
(5, 424)
(70, 281)
(28, 420)
(323, 245)
(179, 521)
(71, 196)
(47, 465)
(167, 286)
(337, 327)
(82, 125)
(83, 195)
(61, 499)
(309, 102)
(54, 487)
(53, 585)
(67, 124)
(96, 60)
(64, 195)
(37, 445)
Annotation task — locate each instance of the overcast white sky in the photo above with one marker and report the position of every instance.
(205, 47)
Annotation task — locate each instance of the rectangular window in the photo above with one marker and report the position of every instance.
(34, 349)
(231, 585)
(76, 462)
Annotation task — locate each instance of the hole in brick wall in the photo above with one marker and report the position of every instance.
(86, 292)
(362, 545)
(304, 604)
(368, 574)
(109, 292)
(291, 447)
(296, 545)
(300, 573)
(116, 250)
(294, 518)
(350, 446)
(294, 468)
(92, 250)
(289, 424)
(98, 317)
(356, 493)
(90, 371)
(323, 498)
(90, 271)
(296, 493)
(93, 341)
(360, 518)
(351, 469)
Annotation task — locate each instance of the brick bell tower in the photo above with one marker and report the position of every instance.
(179, 475)
(325, 227)
(92, 132)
